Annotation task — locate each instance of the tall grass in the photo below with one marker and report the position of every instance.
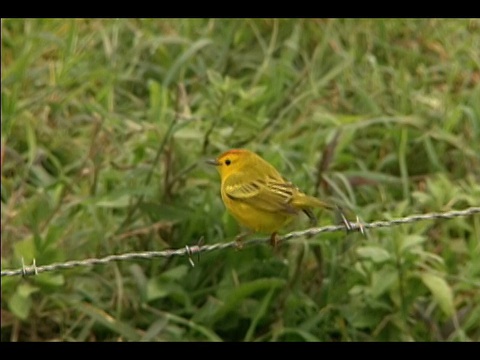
(105, 128)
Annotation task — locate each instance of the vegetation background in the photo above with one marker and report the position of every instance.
(105, 128)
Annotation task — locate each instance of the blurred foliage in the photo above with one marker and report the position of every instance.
(105, 128)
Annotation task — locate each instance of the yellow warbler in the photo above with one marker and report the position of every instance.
(257, 196)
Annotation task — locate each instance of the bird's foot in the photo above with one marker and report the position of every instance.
(274, 239)
(239, 240)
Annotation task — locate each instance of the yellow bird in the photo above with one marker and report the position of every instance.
(257, 196)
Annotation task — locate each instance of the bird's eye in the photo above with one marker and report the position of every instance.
(227, 162)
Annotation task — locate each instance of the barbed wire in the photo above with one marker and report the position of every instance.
(199, 247)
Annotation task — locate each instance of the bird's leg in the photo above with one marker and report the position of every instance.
(239, 239)
(274, 239)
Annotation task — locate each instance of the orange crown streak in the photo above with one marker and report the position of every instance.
(232, 151)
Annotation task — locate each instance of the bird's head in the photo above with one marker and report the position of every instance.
(231, 161)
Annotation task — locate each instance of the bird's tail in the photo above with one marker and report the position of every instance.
(303, 201)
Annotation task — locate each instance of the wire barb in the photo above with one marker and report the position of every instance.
(28, 270)
(349, 226)
(199, 248)
(189, 254)
(199, 245)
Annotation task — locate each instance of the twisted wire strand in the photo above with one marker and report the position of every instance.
(197, 249)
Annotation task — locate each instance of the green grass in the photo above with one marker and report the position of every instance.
(105, 128)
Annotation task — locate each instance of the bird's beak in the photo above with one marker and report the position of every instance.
(213, 162)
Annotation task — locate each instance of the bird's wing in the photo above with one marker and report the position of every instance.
(268, 194)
